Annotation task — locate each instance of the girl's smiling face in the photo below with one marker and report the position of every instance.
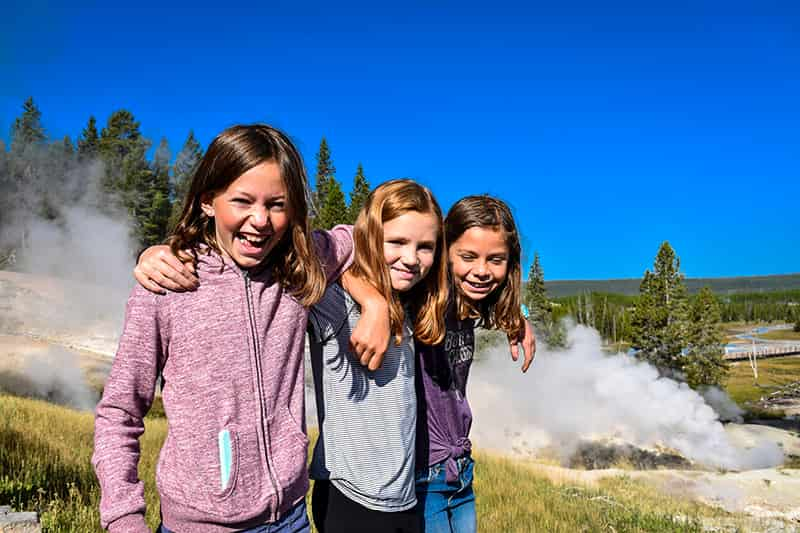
(479, 261)
(251, 215)
(409, 247)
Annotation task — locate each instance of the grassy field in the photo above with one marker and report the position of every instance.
(781, 335)
(772, 374)
(45, 452)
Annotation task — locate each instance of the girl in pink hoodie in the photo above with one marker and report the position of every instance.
(229, 354)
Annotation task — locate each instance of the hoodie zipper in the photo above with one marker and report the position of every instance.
(261, 395)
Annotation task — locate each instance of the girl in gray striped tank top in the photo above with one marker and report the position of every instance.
(363, 462)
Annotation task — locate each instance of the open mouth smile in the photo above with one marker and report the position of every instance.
(479, 286)
(252, 241)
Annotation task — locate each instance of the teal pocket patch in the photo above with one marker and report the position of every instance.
(225, 458)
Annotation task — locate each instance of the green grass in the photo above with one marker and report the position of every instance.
(781, 335)
(512, 496)
(45, 453)
(772, 374)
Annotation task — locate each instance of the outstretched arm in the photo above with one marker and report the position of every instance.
(159, 269)
(370, 338)
(528, 346)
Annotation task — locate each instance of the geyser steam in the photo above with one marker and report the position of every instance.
(583, 394)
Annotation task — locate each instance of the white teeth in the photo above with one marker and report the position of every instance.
(253, 240)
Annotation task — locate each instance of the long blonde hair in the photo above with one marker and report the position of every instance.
(428, 299)
(293, 262)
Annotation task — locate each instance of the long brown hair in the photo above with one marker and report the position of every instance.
(501, 309)
(428, 298)
(293, 262)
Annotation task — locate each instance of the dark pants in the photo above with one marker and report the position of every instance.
(334, 512)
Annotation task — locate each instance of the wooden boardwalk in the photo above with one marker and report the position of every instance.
(765, 352)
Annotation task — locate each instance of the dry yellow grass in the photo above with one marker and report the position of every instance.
(45, 455)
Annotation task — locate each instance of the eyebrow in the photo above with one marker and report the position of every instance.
(250, 195)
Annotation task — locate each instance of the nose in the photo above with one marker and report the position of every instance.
(259, 217)
(409, 256)
(481, 269)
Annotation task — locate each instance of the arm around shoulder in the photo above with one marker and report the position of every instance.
(335, 249)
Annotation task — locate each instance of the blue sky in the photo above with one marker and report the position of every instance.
(609, 127)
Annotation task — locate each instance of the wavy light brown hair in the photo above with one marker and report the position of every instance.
(428, 299)
(501, 309)
(293, 262)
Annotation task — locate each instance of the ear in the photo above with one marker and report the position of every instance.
(206, 204)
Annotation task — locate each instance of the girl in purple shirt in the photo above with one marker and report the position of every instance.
(486, 279)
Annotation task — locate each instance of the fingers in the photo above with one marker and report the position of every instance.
(529, 345)
(367, 355)
(167, 271)
(146, 282)
(181, 272)
(171, 281)
(376, 361)
(514, 350)
(528, 359)
(362, 351)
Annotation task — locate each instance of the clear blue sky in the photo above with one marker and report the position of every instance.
(608, 126)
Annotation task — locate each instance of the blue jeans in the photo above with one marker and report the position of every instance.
(447, 507)
(295, 521)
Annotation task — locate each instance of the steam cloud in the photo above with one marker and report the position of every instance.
(582, 394)
(52, 374)
(83, 245)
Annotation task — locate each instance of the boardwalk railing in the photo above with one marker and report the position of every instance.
(764, 353)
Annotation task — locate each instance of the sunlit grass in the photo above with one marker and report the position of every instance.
(781, 335)
(45, 453)
(772, 374)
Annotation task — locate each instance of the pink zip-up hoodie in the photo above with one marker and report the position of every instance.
(231, 357)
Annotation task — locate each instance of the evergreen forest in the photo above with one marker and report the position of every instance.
(106, 168)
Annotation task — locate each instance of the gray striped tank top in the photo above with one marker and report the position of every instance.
(367, 420)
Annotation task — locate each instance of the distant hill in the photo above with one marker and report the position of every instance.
(780, 282)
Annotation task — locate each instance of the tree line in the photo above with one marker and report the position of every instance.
(107, 168)
(679, 334)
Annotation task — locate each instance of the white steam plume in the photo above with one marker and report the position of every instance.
(91, 251)
(583, 394)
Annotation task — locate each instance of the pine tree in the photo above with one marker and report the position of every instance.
(122, 148)
(27, 129)
(118, 139)
(704, 363)
(325, 172)
(660, 318)
(156, 215)
(186, 162)
(33, 173)
(161, 163)
(5, 193)
(89, 141)
(536, 294)
(67, 147)
(139, 189)
(358, 195)
(334, 209)
(154, 225)
(540, 309)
